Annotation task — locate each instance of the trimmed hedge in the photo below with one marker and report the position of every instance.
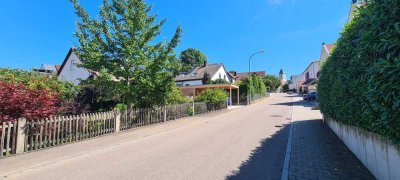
(360, 81)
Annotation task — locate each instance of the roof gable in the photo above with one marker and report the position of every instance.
(71, 50)
(199, 72)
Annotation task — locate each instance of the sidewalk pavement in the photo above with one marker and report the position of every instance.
(317, 153)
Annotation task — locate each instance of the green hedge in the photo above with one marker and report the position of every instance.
(360, 81)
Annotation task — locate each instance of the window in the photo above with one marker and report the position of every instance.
(307, 75)
(72, 66)
(224, 76)
(220, 75)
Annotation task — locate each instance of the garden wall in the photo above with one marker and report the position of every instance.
(378, 154)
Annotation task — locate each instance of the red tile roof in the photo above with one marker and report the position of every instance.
(330, 47)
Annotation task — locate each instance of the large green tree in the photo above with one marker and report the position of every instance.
(192, 58)
(121, 44)
(271, 82)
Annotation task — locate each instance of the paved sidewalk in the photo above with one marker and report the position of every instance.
(317, 153)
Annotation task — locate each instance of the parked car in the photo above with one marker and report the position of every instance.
(305, 96)
(312, 96)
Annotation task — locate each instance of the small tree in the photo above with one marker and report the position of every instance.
(192, 58)
(121, 43)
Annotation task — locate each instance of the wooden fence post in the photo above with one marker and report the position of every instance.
(20, 145)
(165, 113)
(117, 121)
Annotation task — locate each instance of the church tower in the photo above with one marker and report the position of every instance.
(282, 75)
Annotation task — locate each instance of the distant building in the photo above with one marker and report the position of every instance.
(47, 69)
(282, 77)
(196, 81)
(240, 76)
(69, 71)
(296, 81)
(198, 75)
(326, 50)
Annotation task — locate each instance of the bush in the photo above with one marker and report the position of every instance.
(121, 107)
(359, 82)
(17, 100)
(213, 97)
(32, 95)
(33, 80)
(190, 111)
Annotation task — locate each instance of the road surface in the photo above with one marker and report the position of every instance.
(244, 143)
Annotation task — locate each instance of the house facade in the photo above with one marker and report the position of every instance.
(199, 75)
(69, 70)
(296, 81)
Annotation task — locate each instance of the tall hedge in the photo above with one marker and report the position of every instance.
(360, 81)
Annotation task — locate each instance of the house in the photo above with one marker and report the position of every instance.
(296, 81)
(326, 51)
(196, 81)
(240, 76)
(199, 75)
(47, 69)
(69, 71)
(311, 75)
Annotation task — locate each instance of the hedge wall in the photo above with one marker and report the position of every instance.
(360, 81)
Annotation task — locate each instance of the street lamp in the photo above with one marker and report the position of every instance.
(249, 93)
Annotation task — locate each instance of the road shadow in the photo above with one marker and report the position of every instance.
(303, 103)
(266, 161)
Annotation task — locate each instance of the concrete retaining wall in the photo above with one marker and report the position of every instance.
(379, 155)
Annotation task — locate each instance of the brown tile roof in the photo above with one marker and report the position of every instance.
(240, 76)
(329, 47)
(198, 72)
(58, 67)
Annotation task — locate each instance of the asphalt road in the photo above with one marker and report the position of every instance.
(244, 143)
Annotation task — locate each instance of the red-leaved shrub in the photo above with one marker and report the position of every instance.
(17, 100)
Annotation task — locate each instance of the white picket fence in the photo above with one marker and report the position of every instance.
(24, 136)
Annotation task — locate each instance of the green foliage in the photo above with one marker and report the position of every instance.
(273, 82)
(121, 44)
(255, 86)
(219, 81)
(212, 96)
(285, 88)
(359, 82)
(35, 81)
(175, 96)
(190, 111)
(121, 107)
(192, 58)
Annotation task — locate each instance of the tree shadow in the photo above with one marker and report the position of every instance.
(266, 161)
(303, 103)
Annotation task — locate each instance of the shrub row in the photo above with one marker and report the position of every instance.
(360, 81)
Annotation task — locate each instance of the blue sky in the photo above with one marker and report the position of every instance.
(228, 31)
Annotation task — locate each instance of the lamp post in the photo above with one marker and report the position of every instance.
(249, 76)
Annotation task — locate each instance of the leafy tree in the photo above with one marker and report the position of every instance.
(273, 82)
(18, 100)
(285, 88)
(121, 44)
(192, 58)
